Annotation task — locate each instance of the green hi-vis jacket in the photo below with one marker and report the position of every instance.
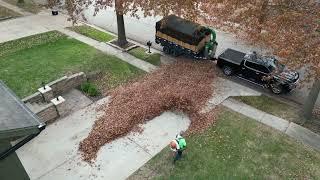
(181, 142)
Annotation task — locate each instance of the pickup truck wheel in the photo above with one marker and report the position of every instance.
(276, 89)
(227, 70)
(166, 50)
(174, 52)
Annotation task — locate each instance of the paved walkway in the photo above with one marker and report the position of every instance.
(223, 89)
(111, 50)
(14, 8)
(143, 29)
(293, 130)
(31, 25)
(44, 22)
(54, 153)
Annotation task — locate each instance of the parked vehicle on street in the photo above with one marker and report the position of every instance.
(182, 37)
(266, 71)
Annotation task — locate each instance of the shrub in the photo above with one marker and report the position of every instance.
(89, 89)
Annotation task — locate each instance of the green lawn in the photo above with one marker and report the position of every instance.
(140, 53)
(272, 106)
(281, 109)
(27, 62)
(28, 5)
(92, 33)
(4, 13)
(236, 148)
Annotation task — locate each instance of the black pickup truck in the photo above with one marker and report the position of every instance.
(266, 71)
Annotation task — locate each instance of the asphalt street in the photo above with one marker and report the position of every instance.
(143, 30)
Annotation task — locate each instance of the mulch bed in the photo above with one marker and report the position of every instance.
(183, 86)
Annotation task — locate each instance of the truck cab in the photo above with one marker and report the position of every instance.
(266, 71)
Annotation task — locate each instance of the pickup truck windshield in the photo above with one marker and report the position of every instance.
(275, 65)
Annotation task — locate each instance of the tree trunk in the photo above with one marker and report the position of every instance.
(263, 14)
(122, 40)
(311, 99)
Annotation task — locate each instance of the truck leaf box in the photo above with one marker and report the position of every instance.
(179, 36)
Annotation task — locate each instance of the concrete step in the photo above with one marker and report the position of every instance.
(29, 105)
(35, 107)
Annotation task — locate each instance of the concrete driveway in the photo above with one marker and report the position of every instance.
(54, 153)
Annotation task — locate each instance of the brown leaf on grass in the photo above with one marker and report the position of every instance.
(183, 86)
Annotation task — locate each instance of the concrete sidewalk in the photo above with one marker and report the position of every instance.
(31, 25)
(111, 50)
(143, 29)
(54, 153)
(293, 130)
(14, 8)
(223, 89)
(44, 22)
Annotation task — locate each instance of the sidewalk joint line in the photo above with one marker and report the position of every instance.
(139, 146)
(61, 164)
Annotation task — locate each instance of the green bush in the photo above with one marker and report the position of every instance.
(89, 89)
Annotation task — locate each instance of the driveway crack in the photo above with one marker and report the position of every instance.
(144, 149)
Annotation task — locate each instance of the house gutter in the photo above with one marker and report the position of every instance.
(12, 149)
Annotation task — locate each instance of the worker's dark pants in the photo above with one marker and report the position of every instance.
(178, 155)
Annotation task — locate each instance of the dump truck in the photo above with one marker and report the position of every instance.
(178, 36)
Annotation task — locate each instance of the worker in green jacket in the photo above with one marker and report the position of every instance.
(178, 145)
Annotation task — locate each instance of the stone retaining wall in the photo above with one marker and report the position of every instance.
(59, 87)
(66, 83)
(48, 113)
(36, 97)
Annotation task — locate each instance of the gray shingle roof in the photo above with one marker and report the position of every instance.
(15, 118)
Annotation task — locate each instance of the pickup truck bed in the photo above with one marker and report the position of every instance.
(232, 56)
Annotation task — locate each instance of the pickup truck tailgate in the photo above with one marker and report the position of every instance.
(233, 56)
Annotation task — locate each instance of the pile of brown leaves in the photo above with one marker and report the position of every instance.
(316, 112)
(182, 86)
(289, 28)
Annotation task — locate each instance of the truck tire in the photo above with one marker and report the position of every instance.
(227, 70)
(276, 88)
(174, 52)
(166, 49)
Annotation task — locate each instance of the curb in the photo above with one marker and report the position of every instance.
(291, 129)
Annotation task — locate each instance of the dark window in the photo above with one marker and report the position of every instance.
(252, 65)
(257, 67)
(264, 69)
